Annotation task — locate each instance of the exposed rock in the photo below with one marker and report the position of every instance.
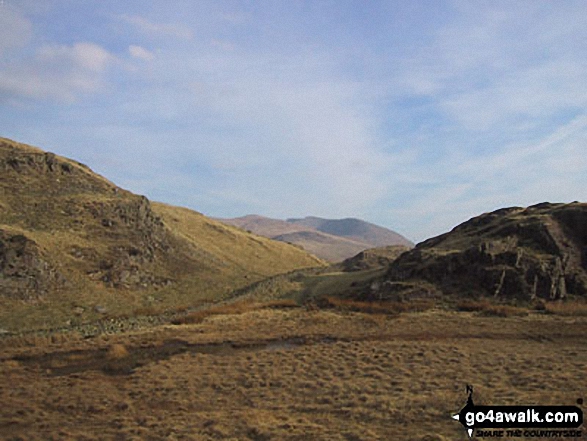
(537, 252)
(24, 272)
(100, 309)
(374, 258)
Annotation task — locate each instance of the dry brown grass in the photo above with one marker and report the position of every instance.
(488, 308)
(389, 308)
(243, 377)
(117, 351)
(234, 308)
(473, 305)
(504, 311)
(571, 308)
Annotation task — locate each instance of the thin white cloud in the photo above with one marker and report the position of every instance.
(15, 29)
(140, 53)
(548, 169)
(56, 72)
(479, 108)
(501, 62)
(157, 29)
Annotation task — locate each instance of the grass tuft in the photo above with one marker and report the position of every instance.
(116, 352)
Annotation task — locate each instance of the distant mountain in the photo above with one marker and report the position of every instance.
(329, 239)
(74, 245)
(326, 246)
(264, 226)
(512, 253)
(354, 229)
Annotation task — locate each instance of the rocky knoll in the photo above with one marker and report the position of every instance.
(512, 253)
(24, 272)
(57, 210)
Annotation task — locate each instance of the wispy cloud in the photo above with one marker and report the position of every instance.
(15, 29)
(411, 117)
(56, 72)
(140, 53)
(157, 29)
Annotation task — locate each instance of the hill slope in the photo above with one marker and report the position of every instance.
(73, 245)
(330, 239)
(512, 253)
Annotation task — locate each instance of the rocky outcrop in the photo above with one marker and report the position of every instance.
(373, 258)
(514, 253)
(24, 272)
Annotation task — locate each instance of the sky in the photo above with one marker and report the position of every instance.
(414, 115)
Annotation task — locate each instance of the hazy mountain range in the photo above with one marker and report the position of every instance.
(329, 239)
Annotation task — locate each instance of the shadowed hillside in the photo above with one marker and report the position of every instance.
(74, 246)
(512, 253)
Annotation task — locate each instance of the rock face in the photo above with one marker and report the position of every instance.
(24, 273)
(513, 253)
(46, 195)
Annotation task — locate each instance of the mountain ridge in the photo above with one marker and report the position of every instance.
(330, 239)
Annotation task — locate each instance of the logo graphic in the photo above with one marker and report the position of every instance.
(474, 417)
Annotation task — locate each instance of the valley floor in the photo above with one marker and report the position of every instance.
(288, 375)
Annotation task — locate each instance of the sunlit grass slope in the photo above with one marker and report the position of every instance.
(75, 247)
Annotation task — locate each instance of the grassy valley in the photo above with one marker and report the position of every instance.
(126, 319)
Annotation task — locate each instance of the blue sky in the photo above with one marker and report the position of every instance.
(415, 115)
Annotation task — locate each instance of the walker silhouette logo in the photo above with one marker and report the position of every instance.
(520, 421)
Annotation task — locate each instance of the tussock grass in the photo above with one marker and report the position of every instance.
(340, 377)
(571, 308)
(504, 311)
(234, 308)
(473, 305)
(389, 308)
(117, 351)
(487, 308)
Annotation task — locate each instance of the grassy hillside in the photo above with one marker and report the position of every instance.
(75, 247)
(256, 256)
